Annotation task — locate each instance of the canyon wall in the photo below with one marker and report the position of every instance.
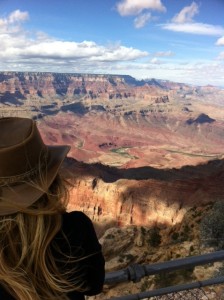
(139, 197)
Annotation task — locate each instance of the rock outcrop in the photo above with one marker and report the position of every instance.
(142, 196)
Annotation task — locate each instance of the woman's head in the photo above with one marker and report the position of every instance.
(27, 267)
(28, 166)
(32, 197)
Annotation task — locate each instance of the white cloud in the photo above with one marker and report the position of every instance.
(17, 48)
(193, 73)
(213, 72)
(220, 41)
(183, 22)
(21, 51)
(186, 14)
(18, 16)
(141, 20)
(221, 56)
(155, 61)
(200, 73)
(62, 49)
(135, 7)
(195, 28)
(121, 53)
(164, 53)
(12, 23)
(86, 49)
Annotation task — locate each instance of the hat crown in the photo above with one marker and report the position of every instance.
(20, 146)
(14, 131)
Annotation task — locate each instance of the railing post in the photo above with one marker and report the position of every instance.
(136, 272)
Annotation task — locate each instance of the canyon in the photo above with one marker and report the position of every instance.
(142, 152)
(120, 121)
(145, 154)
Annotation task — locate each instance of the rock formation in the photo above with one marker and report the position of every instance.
(142, 196)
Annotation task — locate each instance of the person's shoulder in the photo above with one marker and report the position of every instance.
(75, 214)
(75, 217)
(78, 227)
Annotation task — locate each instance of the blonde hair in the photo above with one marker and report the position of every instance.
(28, 270)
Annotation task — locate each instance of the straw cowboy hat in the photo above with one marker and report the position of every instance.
(27, 165)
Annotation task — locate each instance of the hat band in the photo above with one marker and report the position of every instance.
(18, 178)
(9, 180)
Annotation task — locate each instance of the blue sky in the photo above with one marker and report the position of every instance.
(178, 40)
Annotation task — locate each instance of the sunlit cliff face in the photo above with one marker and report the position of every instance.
(125, 203)
(117, 198)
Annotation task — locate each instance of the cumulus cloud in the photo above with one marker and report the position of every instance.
(135, 7)
(121, 53)
(183, 22)
(17, 16)
(141, 20)
(61, 49)
(195, 28)
(19, 49)
(220, 41)
(86, 49)
(186, 14)
(12, 23)
(141, 9)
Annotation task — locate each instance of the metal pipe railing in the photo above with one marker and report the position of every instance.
(135, 272)
(172, 289)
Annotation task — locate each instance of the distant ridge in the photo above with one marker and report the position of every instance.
(127, 78)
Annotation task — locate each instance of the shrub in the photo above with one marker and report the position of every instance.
(154, 237)
(175, 236)
(212, 227)
(109, 236)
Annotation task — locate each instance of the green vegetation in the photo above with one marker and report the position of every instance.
(212, 227)
(191, 248)
(126, 257)
(143, 230)
(80, 144)
(172, 278)
(123, 151)
(110, 236)
(145, 285)
(154, 239)
(185, 233)
(175, 236)
(194, 154)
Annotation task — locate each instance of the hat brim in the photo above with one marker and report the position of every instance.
(25, 193)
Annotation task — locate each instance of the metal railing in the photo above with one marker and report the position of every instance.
(189, 291)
